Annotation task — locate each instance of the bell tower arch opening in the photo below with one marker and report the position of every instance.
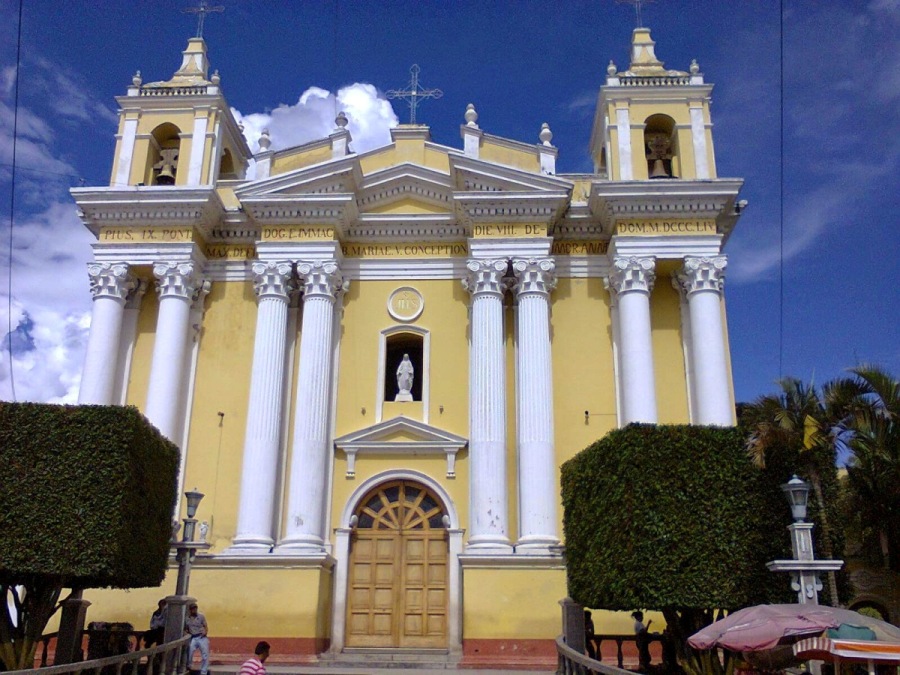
(163, 156)
(661, 147)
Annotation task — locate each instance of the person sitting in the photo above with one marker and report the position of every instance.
(156, 634)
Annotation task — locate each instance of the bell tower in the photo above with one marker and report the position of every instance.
(178, 132)
(653, 123)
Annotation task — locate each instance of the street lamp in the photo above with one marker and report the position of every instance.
(797, 492)
(186, 549)
(804, 568)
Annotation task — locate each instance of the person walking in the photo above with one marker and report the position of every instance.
(195, 625)
(254, 665)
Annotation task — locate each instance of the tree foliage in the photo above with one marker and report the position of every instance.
(86, 498)
(676, 519)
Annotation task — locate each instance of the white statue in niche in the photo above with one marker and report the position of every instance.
(405, 373)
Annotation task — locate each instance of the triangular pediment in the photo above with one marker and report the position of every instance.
(338, 176)
(402, 432)
(406, 188)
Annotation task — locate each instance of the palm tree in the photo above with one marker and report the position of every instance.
(800, 420)
(874, 469)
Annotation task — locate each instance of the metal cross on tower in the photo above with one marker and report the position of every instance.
(201, 13)
(414, 93)
(637, 9)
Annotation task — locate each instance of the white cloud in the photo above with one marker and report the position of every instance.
(369, 114)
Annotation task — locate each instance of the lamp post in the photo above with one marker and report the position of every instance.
(185, 552)
(804, 567)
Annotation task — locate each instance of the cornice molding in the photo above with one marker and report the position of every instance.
(149, 206)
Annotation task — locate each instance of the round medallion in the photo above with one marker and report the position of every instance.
(405, 304)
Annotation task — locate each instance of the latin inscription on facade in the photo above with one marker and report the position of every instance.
(113, 234)
(297, 233)
(231, 251)
(665, 227)
(406, 250)
(580, 247)
(509, 230)
(406, 304)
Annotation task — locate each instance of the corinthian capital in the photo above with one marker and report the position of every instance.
(703, 274)
(322, 279)
(179, 280)
(111, 280)
(486, 277)
(632, 274)
(534, 275)
(273, 279)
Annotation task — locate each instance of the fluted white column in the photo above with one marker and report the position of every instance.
(632, 280)
(703, 280)
(305, 527)
(177, 285)
(535, 279)
(110, 285)
(485, 280)
(272, 283)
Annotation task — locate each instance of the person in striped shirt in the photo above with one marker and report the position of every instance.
(254, 666)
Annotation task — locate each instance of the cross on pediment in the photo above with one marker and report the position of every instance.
(637, 9)
(414, 93)
(201, 11)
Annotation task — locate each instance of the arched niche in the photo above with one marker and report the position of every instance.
(661, 147)
(163, 156)
(395, 343)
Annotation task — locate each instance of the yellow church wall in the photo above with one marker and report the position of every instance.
(222, 385)
(512, 603)
(289, 162)
(508, 156)
(408, 205)
(583, 374)
(668, 353)
(142, 354)
(296, 602)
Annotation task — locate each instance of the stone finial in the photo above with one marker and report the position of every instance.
(215, 79)
(137, 80)
(265, 140)
(611, 69)
(341, 120)
(241, 126)
(471, 116)
(695, 67)
(546, 135)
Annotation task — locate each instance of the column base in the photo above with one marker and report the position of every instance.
(301, 545)
(248, 548)
(538, 545)
(487, 545)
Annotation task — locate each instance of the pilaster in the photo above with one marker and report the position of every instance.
(488, 532)
(534, 281)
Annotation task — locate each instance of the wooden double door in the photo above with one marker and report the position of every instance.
(397, 595)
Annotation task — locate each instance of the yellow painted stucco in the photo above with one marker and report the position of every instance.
(501, 153)
(290, 161)
(668, 354)
(512, 603)
(408, 205)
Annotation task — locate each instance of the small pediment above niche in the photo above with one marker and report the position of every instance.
(400, 435)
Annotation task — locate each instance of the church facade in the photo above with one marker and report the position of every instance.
(374, 364)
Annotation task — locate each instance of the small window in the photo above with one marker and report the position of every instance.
(403, 371)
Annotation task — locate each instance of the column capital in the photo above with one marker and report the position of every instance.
(486, 276)
(632, 273)
(179, 280)
(703, 274)
(321, 278)
(534, 275)
(273, 279)
(111, 280)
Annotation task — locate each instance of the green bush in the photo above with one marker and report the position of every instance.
(86, 496)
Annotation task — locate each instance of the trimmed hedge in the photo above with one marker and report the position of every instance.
(86, 495)
(672, 517)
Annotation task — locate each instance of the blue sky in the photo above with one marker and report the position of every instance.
(521, 64)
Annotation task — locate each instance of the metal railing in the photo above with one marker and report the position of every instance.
(169, 658)
(571, 662)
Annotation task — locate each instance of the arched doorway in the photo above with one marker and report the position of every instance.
(397, 586)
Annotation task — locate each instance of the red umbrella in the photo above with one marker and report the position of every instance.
(764, 626)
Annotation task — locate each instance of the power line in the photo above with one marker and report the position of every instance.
(12, 208)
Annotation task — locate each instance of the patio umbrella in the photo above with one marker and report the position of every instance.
(763, 626)
(827, 649)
